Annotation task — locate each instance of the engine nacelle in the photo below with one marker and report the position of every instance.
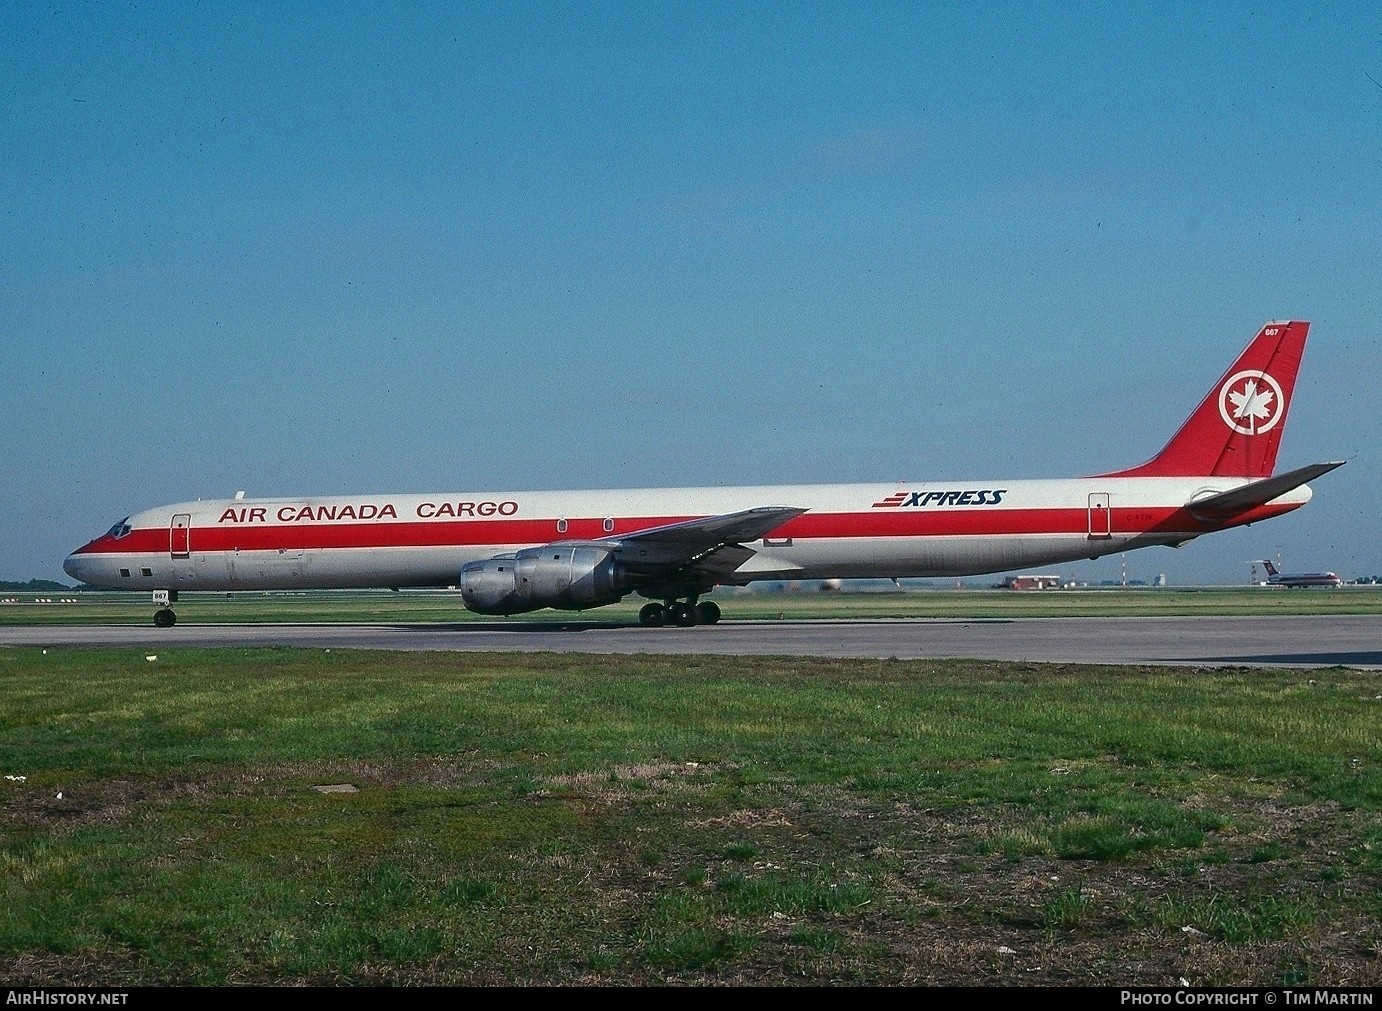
(567, 577)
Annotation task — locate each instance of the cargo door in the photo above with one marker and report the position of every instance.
(180, 536)
(1100, 516)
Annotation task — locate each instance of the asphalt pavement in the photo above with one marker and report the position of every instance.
(1274, 641)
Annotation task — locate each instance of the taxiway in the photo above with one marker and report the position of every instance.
(1276, 641)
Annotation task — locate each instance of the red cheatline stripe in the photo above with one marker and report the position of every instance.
(470, 533)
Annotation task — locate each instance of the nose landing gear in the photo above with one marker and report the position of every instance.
(164, 616)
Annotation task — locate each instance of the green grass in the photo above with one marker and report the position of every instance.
(565, 819)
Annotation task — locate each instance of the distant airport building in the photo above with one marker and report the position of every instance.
(1032, 582)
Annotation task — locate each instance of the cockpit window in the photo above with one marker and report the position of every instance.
(120, 529)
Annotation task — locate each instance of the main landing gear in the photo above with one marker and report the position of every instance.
(679, 612)
(164, 616)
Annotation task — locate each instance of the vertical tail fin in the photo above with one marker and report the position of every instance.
(1271, 569)
(1236, 430)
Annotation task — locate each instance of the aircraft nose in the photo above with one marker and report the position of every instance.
(77, 566)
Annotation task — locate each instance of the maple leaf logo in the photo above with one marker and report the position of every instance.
(1251, 403)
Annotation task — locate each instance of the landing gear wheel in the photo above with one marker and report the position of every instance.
(683, 614)
(707, 612)
(165, 618)
(652, 615)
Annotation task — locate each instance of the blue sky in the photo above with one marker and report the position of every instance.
(347, 248)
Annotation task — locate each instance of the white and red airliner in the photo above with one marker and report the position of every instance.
(518, 551)
(1299, 580)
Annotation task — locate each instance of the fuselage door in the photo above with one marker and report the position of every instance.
(180, 536)
(1100, 516)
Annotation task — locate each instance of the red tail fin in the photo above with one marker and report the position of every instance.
(1237, 428)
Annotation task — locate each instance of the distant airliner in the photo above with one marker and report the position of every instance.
(1299, 579)
(516, 551)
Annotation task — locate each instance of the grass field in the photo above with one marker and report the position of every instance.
(441, 605)
(281, 816)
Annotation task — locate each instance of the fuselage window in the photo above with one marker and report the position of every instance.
(609, 525)
(124, 573)
(561, 526)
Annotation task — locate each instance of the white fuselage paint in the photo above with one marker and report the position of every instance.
(218, 544)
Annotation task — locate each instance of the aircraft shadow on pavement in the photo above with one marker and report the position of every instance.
(517, 626)
(1351, 658)
(605, 626)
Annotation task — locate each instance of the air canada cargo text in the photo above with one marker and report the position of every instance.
(309, 512)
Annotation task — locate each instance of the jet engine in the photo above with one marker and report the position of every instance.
(563, 576)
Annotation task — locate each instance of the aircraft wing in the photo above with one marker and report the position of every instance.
(711, 545)
(1258, 493)
(748, 525)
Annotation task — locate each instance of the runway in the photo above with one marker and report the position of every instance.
(1275, 641)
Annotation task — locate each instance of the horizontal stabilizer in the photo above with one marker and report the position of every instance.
(1239, 500)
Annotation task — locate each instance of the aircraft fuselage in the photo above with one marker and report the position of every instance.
(847, 531)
